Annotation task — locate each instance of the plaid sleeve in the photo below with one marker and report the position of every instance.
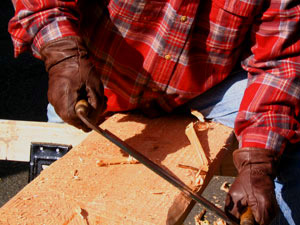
(36, 22)
(269, 112)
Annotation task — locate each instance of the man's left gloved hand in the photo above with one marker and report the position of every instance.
(254, 185)
(73, 77)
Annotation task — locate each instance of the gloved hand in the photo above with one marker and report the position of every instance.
(72, 77)
(254, 185)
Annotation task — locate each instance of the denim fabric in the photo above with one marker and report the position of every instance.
(52, 115)
(221, 104)
(287, 187)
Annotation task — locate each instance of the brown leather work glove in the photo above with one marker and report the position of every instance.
(254, 185)
(72, 77)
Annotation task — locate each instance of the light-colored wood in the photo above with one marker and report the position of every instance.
(77, 190)
(16, 137)
(196, 144)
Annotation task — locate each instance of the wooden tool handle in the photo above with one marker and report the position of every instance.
(247, 217)
(82, 107)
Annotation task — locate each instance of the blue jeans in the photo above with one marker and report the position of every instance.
(52, 115)
(221, 104)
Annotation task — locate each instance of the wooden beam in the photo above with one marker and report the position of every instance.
(16, 137)
(88, 186)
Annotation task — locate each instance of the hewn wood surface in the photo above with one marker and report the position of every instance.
(77, 190)
(16, 137)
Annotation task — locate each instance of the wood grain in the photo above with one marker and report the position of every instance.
(76, 190)
(16, 137)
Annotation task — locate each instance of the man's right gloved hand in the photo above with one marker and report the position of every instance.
(72, 77)
(254, 186)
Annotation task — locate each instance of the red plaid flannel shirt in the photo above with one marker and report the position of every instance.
(173, 50)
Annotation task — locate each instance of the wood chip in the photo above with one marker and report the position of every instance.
(225, 186)
(203, 222)
(157, 193)
(45, 167)
(187, 167)
(218, 205)
(75, 175)
(220, 222)
(199, 181)
(200, 126)
(197, 114)
(203, 170)
(199, 219)
(101, 163)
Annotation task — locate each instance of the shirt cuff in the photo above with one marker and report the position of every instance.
(262, 138)
(51, 32)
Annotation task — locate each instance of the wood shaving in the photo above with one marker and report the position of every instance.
(203, 170)
(198, 178)
(218, 205)
(225, 186)
(196, 144)
(187, 167)
(220, 222)
(75, 175)
(197, 114)
(199, 181)
(45, 167)
(130, 158)
(101, 163)
(199, 219)
(200, 126)
(202, 222)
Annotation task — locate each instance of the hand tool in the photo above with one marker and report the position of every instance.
(247, 217)
(82, 109)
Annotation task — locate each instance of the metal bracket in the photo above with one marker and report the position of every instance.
(43, 154)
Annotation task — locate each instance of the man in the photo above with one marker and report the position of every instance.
(157, 56)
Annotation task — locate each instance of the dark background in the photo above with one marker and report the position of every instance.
(23, 96)
(23, 80)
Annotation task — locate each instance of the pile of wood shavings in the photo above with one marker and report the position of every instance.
(200, 219)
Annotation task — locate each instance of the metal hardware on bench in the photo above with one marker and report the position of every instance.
(43, 154)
